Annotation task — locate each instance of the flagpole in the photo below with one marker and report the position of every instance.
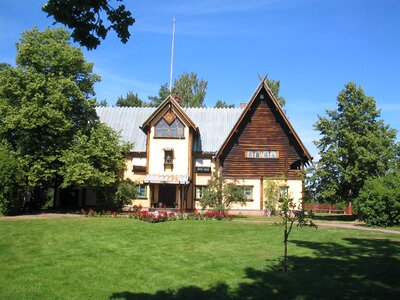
(172, 56)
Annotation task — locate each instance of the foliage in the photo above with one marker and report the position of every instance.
(188, 87)
(274, 86)
(4, 66)
(159, 216)
(125, 193)
(290, 215)
(219, 194)
(86, 22)
(130, 100)
(102, 103)
(379, 200)
(44, 101)
(94, 160)
(11, 182)
(223, 104)
(273, 194)
(163, 93)
(47, 112)
(354, 145)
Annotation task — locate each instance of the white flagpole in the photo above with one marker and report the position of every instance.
(172, 56)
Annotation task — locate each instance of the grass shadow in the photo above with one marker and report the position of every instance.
(354, 269)
(335, 217)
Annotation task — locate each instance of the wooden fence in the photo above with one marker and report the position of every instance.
(328, 208)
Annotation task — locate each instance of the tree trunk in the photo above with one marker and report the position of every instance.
(285, 240)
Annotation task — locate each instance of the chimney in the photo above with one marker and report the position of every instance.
(243, 105)
(177, 98)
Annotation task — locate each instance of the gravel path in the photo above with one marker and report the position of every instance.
(333, 224)
(358, 227)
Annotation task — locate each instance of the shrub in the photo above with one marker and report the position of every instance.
(379, 201)
(220, 195)
(272, 194)
(125, 193)
(117, 195)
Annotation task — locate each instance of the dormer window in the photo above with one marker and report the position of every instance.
(173, 130)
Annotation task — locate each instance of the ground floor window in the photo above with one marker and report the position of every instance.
(284, 192)
(248, 192)
(141, 191)
(200, 191)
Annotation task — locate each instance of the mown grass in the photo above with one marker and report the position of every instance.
(100, 258)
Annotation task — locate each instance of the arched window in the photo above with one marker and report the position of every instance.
(173, 130)
(162, 128)
(176, 128)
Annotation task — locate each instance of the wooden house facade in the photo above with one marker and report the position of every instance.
(176, 150)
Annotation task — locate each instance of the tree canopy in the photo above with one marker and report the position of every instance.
(87, 21)
(190, 89)
(47, 111)
(355, 144)
(223, 104)
(130, 100)
(163, 93)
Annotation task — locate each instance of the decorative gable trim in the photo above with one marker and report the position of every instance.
(306, 155)
(171, 103)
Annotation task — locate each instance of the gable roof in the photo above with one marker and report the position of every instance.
(263, 85)
(214, 124)
(171, 102)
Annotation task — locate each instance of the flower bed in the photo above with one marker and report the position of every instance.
(160, 216)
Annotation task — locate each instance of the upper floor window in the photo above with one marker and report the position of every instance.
(262, 154)
(174, 130)
(168, 157)
(203, 165)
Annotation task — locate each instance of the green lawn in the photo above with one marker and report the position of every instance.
(101, 258)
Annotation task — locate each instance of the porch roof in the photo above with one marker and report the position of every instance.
(166, 179)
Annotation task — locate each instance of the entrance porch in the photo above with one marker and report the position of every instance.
(169, 192)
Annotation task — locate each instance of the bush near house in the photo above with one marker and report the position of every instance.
(379, 201)
(221, 194)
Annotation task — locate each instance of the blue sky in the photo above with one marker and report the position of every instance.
(312, 46)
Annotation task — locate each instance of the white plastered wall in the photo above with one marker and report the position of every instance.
(137, 178)
(181, 154)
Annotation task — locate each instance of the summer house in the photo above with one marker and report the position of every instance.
(176, 150)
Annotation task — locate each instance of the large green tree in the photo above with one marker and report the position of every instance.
(190, 89)
(46, 107)
(355, 144)
(86, 19)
